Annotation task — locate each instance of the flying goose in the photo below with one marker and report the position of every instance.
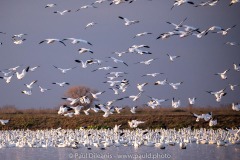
(29, 92)
(233, 2)
(223, 74)
(152, 74)
(119, 54)
(163, 82)
(134, 47)
(236, 67)
(6, 73)
(63, 109)
(19, 35)
(128, 22)
(134, 123)
(91, 24)
(158, 101)
(70, 114)
(14, 68)
(140, 86)
(218, 94)
(192, 100)
(95, 95)
(177, 26)
(52, 40)
(30, 85)
(236, 107)
(7, 79)
(72, 101)
(77, 109)
(84, 64)
(181, 2)
(232, 86)
(147, 62)
(4, 122)
(64, 70)
(167, 35)
(99, 1)
(107, 111)
(32, 69)
(75, 41)
(133, 109)
(22, 74)
(175, 85)
(141, 34)
(43, 89)
(135, 97)
(172, 58)
(86, 111)
(112, 83)
(62, 12)
(175, 104)
(118, 60)
(18, 41)
(84, 50)
(104, 68)
(233, 43)
(50, 5)
(117, 1)
(225, 31)
(61, 84)
(206, 116)
(86, 6)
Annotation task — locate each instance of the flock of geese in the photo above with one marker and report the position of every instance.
(116, 137)
(105, 138)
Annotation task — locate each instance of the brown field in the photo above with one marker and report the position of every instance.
(158, 118)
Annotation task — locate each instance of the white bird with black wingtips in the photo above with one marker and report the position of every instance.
(84, 64)
(223, 75)
(22, 74)
(64, 70)
(236, 67)
(43, 89)
(141, 34)
(52, 40)
(29, 92)
(176, 104)
(163, 82)
(95, 95)
(175, 85)
(4, 121)
(140, 86)
(76, 40)
(236, 107)
(172, 58)
(118, 60)
(192, 100)
(62, 12)
(61, 84)
(30, 85)
(128, 22)
(152, 74)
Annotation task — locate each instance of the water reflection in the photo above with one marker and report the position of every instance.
(193, 151)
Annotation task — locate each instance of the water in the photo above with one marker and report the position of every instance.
(193, 151)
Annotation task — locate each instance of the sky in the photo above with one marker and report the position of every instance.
(200, 58)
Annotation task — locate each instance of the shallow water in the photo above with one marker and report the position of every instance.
(193, 151)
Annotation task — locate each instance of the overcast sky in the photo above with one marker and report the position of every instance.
(200, 58)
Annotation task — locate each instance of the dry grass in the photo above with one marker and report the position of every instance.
(157, 118)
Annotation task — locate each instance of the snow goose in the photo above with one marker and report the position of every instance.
(52, 40)
(177, 26)
(232, 43)
(23, 73)
(236, 107)
(135, 97)
(43, 89)
(95, 95)
(63, 109)
(18, 41)
(50, 5)
(181, 2)
(72, 101)
(152, 74)
(84, 50)
(115, 90)
(6, 73)
(118, 109)
(212, 122)
(147, 62)
(218, 94)
(64, 70)
(175, 85)
(223, 74)
(7, 79)
(29, 92)
(133, 109)
(99, 1)
(140, 86)
(77, 109)
(141, 34)
(18, 35)
(104, 68)
(192, 100)
(117, 1)
(172, 58)
(163, 82)
(61, 84)
(158, 101)
(232, 86)
(4, 122)
(86, 111)
(233, 2)
(86, 6)
(30, 85)
(107, 111)
(236, 67)
(167, 35)
(118, 60)
(225, 31)
(119, 54)
(91, 24)
(134, 123)
(84, 64)
(62, 12)
(32, 69)
(175, 104)
(128, 22)
(75, 41)
(112, 83)
(70, 114)
(133, 47)
(117, 74)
